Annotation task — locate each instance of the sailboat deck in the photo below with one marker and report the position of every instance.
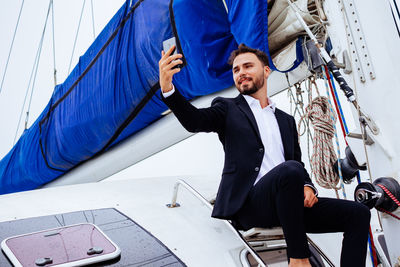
(189, 231)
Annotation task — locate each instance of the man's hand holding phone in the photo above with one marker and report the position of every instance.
(167, 69)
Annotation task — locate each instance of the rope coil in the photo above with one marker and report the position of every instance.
(323, 158)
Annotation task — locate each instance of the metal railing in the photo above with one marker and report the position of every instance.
(193, 191)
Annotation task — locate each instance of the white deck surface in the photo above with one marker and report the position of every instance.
(189, 231)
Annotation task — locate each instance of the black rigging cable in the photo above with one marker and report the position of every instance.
(12, 44)
(33, 75)
(76, 36)
(396, 15)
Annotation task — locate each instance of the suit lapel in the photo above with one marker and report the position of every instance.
(284, 129)
(244, 107)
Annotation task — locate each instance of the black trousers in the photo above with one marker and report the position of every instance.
(278, 200)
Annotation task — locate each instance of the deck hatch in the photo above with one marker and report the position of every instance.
(138, 246)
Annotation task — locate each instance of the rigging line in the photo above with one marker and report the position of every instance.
(54, 43)
(339, 106)
(326, 77)
(76, 36)
(34, 70)
(395, 11)
(26, 95)
(12, 45)
(306, 122)
(34, 82)
(309, 135)
(338, 110)
(341, 117)
(395, 22)
(94, 33)
(90, 65)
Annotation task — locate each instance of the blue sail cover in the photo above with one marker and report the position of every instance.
(111, 95)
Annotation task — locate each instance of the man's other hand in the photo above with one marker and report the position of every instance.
(166, 68)
(309, 197)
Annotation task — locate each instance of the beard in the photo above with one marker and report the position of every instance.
(248, 90)
(253, 87)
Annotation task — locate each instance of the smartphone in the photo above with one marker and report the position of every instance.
(167, 45)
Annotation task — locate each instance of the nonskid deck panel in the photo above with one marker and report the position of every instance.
(138, 246)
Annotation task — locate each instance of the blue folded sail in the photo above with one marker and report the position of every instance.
(112, 93)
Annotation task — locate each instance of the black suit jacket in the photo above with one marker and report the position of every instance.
(238, 132)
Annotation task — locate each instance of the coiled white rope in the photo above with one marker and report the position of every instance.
(324, 157)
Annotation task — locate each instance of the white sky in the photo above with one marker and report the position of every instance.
(66, 16)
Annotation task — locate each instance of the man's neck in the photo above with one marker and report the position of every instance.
(261, 95)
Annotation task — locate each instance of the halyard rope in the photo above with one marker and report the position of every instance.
(389, 194)
(392, 197)
(389, 213)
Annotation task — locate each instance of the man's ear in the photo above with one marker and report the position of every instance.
(267, 71)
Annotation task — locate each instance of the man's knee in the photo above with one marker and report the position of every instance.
(362, 213)
(293, 172)
(358, 216)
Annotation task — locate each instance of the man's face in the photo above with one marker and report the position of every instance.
(249, 73)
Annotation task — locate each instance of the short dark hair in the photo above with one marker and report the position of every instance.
(245, 49)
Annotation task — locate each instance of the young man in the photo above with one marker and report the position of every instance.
(264, 183)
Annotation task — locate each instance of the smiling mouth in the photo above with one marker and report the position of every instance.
(243, 80)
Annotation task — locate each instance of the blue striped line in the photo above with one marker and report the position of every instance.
(338, 102)
(336, 137)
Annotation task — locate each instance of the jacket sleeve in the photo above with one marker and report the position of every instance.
(297, 155)
(194, 119)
